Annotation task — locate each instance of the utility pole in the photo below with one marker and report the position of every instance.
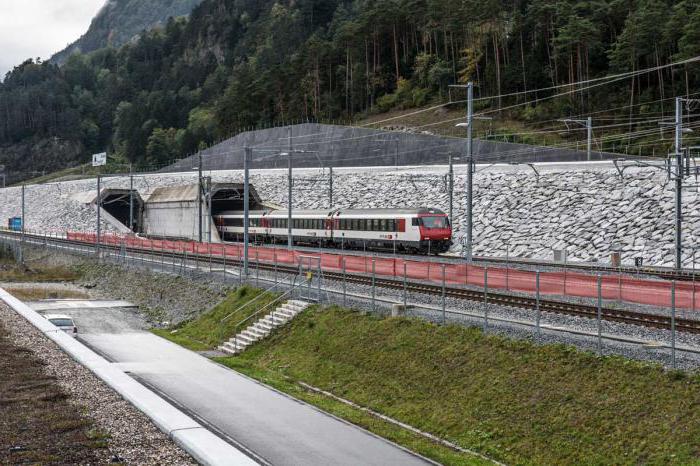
(99, 208)
(246, 206)
(21, 247)
(330, 187)
(588, 124)
(678, 145)
(207, 199)
(396, 154)
(199, 195)
(290, 243)
(131, 197)
(589, 131)
(451, 185)
(678, 175)
(468, 244)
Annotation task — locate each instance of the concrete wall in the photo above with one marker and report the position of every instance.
(178, 220)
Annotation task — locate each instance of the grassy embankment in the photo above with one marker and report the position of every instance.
(512, 400)
(219, 324)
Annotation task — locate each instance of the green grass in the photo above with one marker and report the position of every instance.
(208, 331)
(511, 400)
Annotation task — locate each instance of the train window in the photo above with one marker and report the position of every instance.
(415, 222)
(381, 226)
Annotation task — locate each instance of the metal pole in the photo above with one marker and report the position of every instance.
(396, 156)
(673, 323)
(374, 306)
(537, 298)
(330, 187)
(289, 191)
(470, 168)
(444, 313)
(345, 286)
(24, 220)
(131, 199)
(451, 186)
(486, 298)
(679, 182)
(208, 199)
(405, 287)
(246, 207)
(599, 314)
(99, 208)
(589, 128)
(199, 196)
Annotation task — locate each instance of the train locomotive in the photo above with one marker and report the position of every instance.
(416, 231)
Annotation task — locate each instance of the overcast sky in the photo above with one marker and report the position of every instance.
(40, 28)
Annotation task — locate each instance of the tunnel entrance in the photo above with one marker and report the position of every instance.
(229, 196)
(117, 204)
(173, 211)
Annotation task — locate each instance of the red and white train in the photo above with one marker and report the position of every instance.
(422, 230)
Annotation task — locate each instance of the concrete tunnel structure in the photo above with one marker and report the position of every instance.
(172, 211)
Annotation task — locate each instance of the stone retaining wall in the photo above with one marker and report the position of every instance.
(587, 209)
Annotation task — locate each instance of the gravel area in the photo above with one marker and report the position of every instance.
(134, 439)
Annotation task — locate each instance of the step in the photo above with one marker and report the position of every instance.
(275, 320)
(235, 346)
(295, 307)
(264, 325)
(285, 313)
(231, 348)
(245, 338)
(258, 331)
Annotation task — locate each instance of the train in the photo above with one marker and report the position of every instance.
(414, 231)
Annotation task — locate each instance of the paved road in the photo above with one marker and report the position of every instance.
(278, 429)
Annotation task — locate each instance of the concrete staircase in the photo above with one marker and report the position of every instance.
(264, 326)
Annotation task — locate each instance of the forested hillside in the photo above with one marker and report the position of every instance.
(120, 21)
(237, 63)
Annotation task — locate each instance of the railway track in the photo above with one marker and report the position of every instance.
(490, 297)
(660, 272)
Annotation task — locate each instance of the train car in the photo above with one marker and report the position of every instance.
(412, 230)
(422, 230)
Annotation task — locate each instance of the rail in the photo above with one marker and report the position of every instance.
(470, 294)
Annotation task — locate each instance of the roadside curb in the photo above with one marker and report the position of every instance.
(205, 447)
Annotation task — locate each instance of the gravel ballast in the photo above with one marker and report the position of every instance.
(133, 438)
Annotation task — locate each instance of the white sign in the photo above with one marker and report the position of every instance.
(99, 159)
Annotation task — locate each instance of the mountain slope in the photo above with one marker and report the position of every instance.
(235, 64)
(120, 21)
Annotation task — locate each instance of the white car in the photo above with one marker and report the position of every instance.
(63, 322)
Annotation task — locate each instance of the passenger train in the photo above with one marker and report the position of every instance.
(422, 230)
